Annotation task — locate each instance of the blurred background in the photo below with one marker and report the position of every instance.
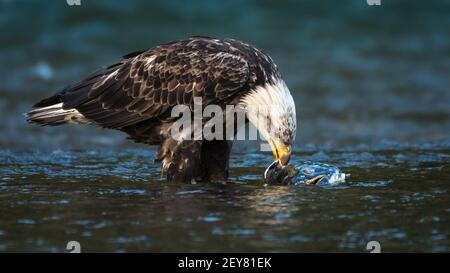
(360, 74)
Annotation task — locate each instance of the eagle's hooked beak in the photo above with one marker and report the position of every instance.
(281, 152)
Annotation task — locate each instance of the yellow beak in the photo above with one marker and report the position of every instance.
(280, 151)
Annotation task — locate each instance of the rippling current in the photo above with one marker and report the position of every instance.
(118, 201)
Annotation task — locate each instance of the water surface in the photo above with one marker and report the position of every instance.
(119, 202)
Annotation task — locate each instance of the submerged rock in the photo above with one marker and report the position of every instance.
(310, 173)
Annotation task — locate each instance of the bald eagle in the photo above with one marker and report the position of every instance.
(136, 96)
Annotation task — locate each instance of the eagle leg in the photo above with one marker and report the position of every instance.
(181, 160)
(215, 160)
(192, 161)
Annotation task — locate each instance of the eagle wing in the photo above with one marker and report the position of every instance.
(147, 84)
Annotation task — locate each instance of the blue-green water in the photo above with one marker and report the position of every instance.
(117, 201)
(372, 93)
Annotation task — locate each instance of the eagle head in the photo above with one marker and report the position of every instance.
(271, 109)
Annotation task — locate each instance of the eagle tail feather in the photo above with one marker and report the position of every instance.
(50, 112)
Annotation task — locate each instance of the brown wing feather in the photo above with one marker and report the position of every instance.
(147, 84)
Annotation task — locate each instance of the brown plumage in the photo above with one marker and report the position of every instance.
(136, 96)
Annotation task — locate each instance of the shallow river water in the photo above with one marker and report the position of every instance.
(119, 202)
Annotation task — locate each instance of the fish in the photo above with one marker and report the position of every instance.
(305, 173)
